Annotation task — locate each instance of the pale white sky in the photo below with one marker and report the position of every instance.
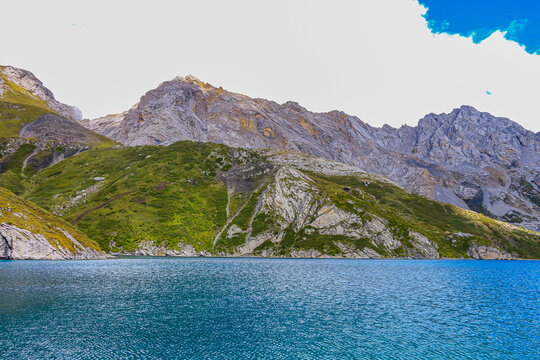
(375, 59)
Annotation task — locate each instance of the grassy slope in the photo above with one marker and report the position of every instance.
(167, 197)
(406, 210)
(26, 215)
(13, 177)
(17, 108)
(171, 194)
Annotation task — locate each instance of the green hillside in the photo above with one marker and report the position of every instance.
(18, 107)
(178, 195)
(25, 215)
(49, 137)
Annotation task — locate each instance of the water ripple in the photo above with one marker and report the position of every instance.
(164, 308)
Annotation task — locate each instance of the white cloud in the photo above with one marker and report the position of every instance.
(373, 58)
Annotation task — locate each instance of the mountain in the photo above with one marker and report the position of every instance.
(35, 129)
(21, 83)
(29, 232)
(191, 198)
(496, 161)
(246, 184)
(467, 158)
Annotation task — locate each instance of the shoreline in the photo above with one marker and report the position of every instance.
(135, 257)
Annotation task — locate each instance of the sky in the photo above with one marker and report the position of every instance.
(518, 19)
(385, 61)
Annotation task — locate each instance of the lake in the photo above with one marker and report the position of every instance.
(211, 308)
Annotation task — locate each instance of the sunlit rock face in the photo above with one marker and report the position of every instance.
(27, 81)
(22, 244)
(467, 158)
(28, 232)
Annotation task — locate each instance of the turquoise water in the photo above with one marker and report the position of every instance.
(168, 308)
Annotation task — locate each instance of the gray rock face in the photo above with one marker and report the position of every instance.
(426, 248)
(26, 80)
(467, 158)
(51, 127)
(295, 200)
(54, 139)
(149, 248)
(105, 124)
(22, 244)
(485, 252)
(490, 163)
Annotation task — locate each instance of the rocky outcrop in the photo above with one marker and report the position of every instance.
(105, 124)
(294, 201)
(293, 198)
(487, 252)
(149, 248)
(51, 127)
(29, 232)
(423, 247)
(298, 211)
(22, 244)
(467, 158)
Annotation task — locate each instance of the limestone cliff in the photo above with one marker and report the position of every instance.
(28, 232)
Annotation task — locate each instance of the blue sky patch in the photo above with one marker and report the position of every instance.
(481, 18)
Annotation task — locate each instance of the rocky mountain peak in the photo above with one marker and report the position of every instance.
(468, 118)
(467, 110)
(475, 135)
(29, 82)
(193, 80)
